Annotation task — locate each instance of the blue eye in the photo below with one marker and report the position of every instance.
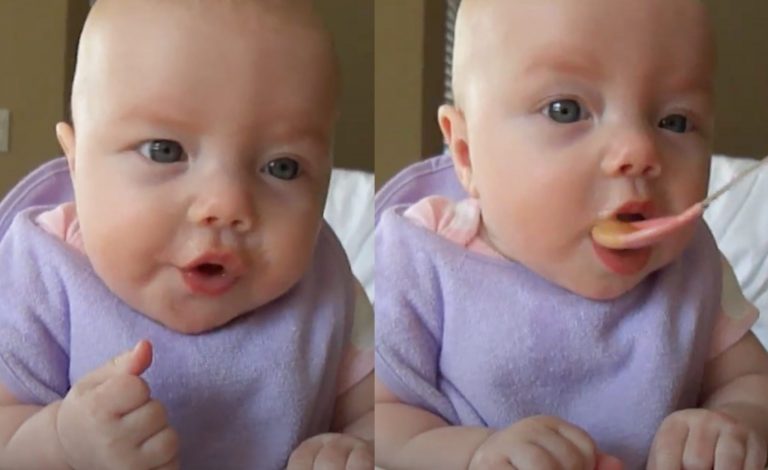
(565, 111)
(675, 123)
(163, 151)
(282, 168)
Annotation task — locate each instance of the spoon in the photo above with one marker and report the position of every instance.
(615, 234)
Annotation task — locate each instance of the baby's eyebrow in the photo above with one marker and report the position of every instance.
(157, 117)
(566, 62)
(692, 83)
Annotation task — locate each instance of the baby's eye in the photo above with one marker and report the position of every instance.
(283, 168)
(675, 123)
(162, 151)
(564, 111)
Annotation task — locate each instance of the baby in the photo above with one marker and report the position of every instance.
(506, 337)
(191, 309)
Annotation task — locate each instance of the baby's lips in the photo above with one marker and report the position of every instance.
(617, 235)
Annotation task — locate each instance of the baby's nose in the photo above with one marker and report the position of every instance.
(224, 207)
(633, 154)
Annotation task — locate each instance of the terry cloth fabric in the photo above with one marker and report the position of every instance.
(481, 341)
(242, 396)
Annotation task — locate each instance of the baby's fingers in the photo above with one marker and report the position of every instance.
(160, 450)
(565, 452)
(608, 462)
(699, 451)
(533, 456)
(120, 395)
(332, 456)
(144, 422)
(739, 450)
(173, 465)
(361, 458)
(668, 446)
(582, 441)
(133, 362)
(756, 454)
(303, 457)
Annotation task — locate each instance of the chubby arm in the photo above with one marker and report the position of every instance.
(28, 438)
(349, 445)
(736, 384)
(354, 410)
(411, 438)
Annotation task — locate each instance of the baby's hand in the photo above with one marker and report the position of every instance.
(701, 438)
(541, 443)
(108, 419)
(332, 451)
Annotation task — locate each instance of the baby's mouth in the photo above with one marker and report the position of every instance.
(632, 231)
(212, 274)
(210, 270)
(630, 217)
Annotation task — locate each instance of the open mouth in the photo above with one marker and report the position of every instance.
(210, 270)
(212, 274)
(630, 217)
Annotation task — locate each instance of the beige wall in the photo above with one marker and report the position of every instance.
(408, 83)
(351, 23)
(742, 100)
(399, 55)
(34, 79)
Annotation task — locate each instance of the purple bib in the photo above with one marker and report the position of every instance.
(243, 396)
(485, 342)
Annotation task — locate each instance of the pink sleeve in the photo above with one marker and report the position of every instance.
(458, 222)
(736, 316)
(62, 223)
(357, 362)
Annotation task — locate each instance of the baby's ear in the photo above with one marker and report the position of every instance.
(66, 135)
(454, 128)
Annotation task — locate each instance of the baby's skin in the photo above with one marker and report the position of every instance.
(109, 420)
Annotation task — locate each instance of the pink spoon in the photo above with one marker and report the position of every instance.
(612, 233)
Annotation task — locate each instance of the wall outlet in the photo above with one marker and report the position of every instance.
(5, 129)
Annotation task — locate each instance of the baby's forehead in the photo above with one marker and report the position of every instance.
(522, 33)
(184, 15)
(185, 41)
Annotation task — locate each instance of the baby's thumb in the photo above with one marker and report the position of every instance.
(135, 361)
(608, 462)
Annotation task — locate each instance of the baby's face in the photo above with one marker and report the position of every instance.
(576, 110)
(200, 156)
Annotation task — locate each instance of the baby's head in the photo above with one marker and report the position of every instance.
(570, 111)
(200, 152)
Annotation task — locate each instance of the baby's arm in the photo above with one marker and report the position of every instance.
(411, 438)
(28, 437)
(736, 383)
(732, 426)
(354, 410)
(349, 445)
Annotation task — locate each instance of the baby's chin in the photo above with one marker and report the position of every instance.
(596, 283)
(601, 290)
(193, 322)
(191, 315)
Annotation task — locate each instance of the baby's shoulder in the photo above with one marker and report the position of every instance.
(36, 260)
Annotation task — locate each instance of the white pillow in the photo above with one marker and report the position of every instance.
(349, 211)
(739, 221)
